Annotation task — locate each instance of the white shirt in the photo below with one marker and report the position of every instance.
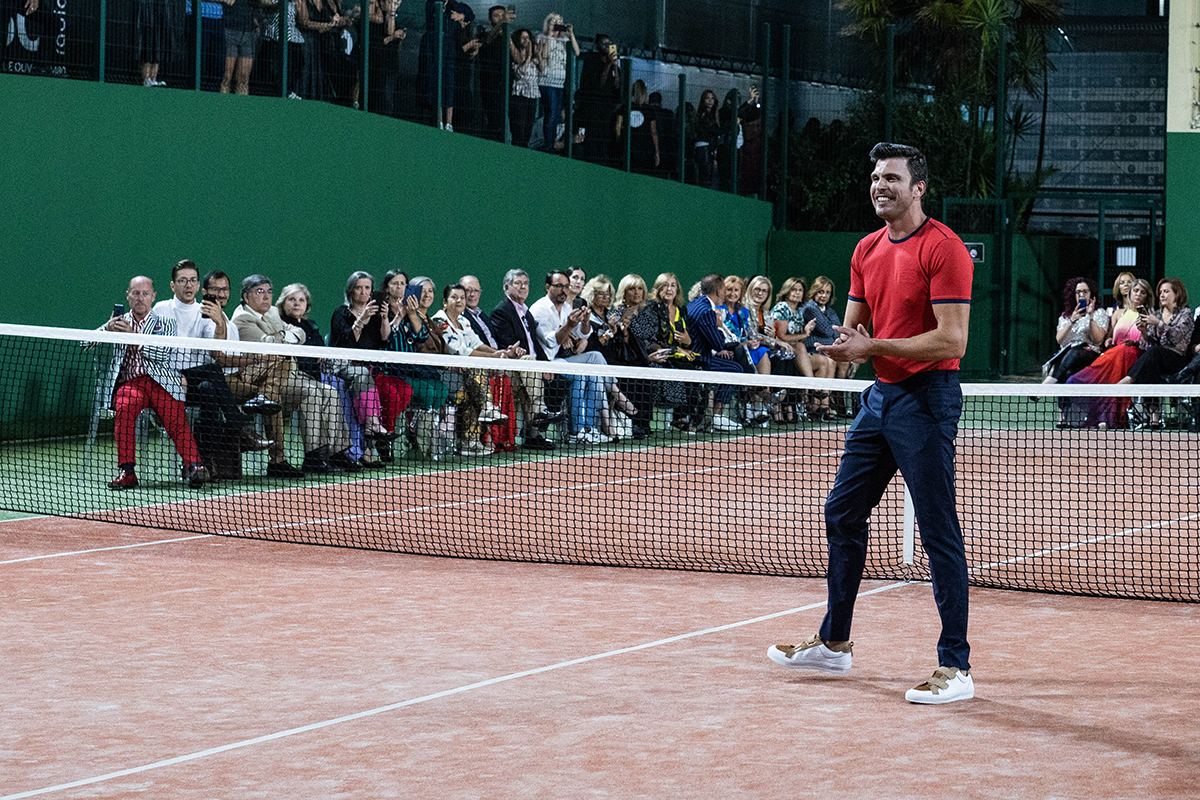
(189, 323)
(461, 342)
(549, 319)
(231, 335)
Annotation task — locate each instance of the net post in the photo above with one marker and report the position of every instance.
(910, 526)
(681, 118)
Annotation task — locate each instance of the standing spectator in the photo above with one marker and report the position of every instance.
(645, 153)
(493, 59)
(512, 323)
(708, 133)
(750, 164)
(820, 308)
(564, 332)
(384, 55)
(157, 35)
(145, 377)
(317, 21)
(598, 101)
(709, 344)
(241, 45)
(455, 15)
(270, 62)
(522, 105)
(668, 135)
(552, 52)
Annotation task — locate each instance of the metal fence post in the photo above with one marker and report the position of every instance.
(627, 109)
(1001, 104)
(103, 34)
(439, 31)
(735, 125)
(762, 99)
(785, 90)
(682, 114)
(196, 4)
(365, 83)
(569, 105)
(285, 42)
(506, 65)
(889, 90)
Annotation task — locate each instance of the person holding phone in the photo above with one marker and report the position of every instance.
(598, 101)
(1168, 332)
(408, 332)
(552, 45)
(1082, 328)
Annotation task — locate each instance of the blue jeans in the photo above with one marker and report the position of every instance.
(585, 394)
(909, 425)
(552, 106)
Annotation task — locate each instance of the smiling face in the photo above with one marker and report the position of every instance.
(473, 292)
(295, 305)
(669, 291)
(733, 290)
(892, 189)
(759, 294)
(518, 290)
(426, 296)
(218, 288)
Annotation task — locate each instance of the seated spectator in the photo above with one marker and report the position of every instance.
(687, 399)
(1120, 293)
(753, 354)
(564, 332)
(1113, 365)
(1082, 329)
(514, 324)
(146, 377)
(597, 297)
(293, 305)
(820, 308)
(636, 333)
(782, 356)
(710, 345)
(359, 324)
(430, 389)
(223, 430)
(1167, 332)
(578, 279)
(476, 406)
(323, 428)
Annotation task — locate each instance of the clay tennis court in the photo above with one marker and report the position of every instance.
(158, 663)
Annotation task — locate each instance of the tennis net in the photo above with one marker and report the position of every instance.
(707, 474)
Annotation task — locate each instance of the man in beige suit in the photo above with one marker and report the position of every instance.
(322, 423)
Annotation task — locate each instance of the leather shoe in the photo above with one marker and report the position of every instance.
(344, 462)
(537, 443)
(315, 463)
(249, 441)
(546, 419)
(282, 469)
(197, 476)
(261, 405)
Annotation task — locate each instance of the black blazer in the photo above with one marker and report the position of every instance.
(506, 327)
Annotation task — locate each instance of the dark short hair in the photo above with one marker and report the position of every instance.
(251, 281)
(600, 36)
(917, 168)
(446, 292)
(655, 99)
(185, 263)
(710, 283)
(392, 273)
(495, 8)
(1177, 286)
(215, 275)
(550, 275)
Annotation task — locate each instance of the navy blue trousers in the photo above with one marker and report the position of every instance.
(908, 426)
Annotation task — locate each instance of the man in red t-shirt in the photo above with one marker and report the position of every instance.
(911, 282)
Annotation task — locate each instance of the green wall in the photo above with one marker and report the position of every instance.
(1182, 233)
(103, 182)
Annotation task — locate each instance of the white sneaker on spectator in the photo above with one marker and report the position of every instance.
(723, 423)
(149, 82)
(160, 83)
(449, 127)
(294, 96)
(474, 447)
(491, 414)
(947, 685)
(588, 436)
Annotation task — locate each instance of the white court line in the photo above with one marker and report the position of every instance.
(103, 549)
(212, 751)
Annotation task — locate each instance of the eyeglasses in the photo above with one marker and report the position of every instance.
(187, 281)
(261, 290)
(560, 286)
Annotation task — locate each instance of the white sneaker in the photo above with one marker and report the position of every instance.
(723, 423)
(474, 447)
(149, 82)
(589, 436)
(491, 414)
(813, 653)
(947, 685)
(449, 128)
(294, 96)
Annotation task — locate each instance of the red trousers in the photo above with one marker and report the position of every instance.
(503, 432)
(144, 392)
(394, 397)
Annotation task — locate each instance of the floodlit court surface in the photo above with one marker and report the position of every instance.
(144, 663)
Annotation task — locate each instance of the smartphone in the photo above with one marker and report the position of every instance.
(118, 309)
(1143, 310)
(413, 291)
(380, 298)
(512, 8)
(211, 298)
(561, 29)
(1082, 304)
(578, 302)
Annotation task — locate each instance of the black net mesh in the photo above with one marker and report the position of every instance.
(1077, 491)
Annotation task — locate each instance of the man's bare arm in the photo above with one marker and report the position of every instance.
(947, 341)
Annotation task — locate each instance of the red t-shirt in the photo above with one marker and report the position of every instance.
(901, 282)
